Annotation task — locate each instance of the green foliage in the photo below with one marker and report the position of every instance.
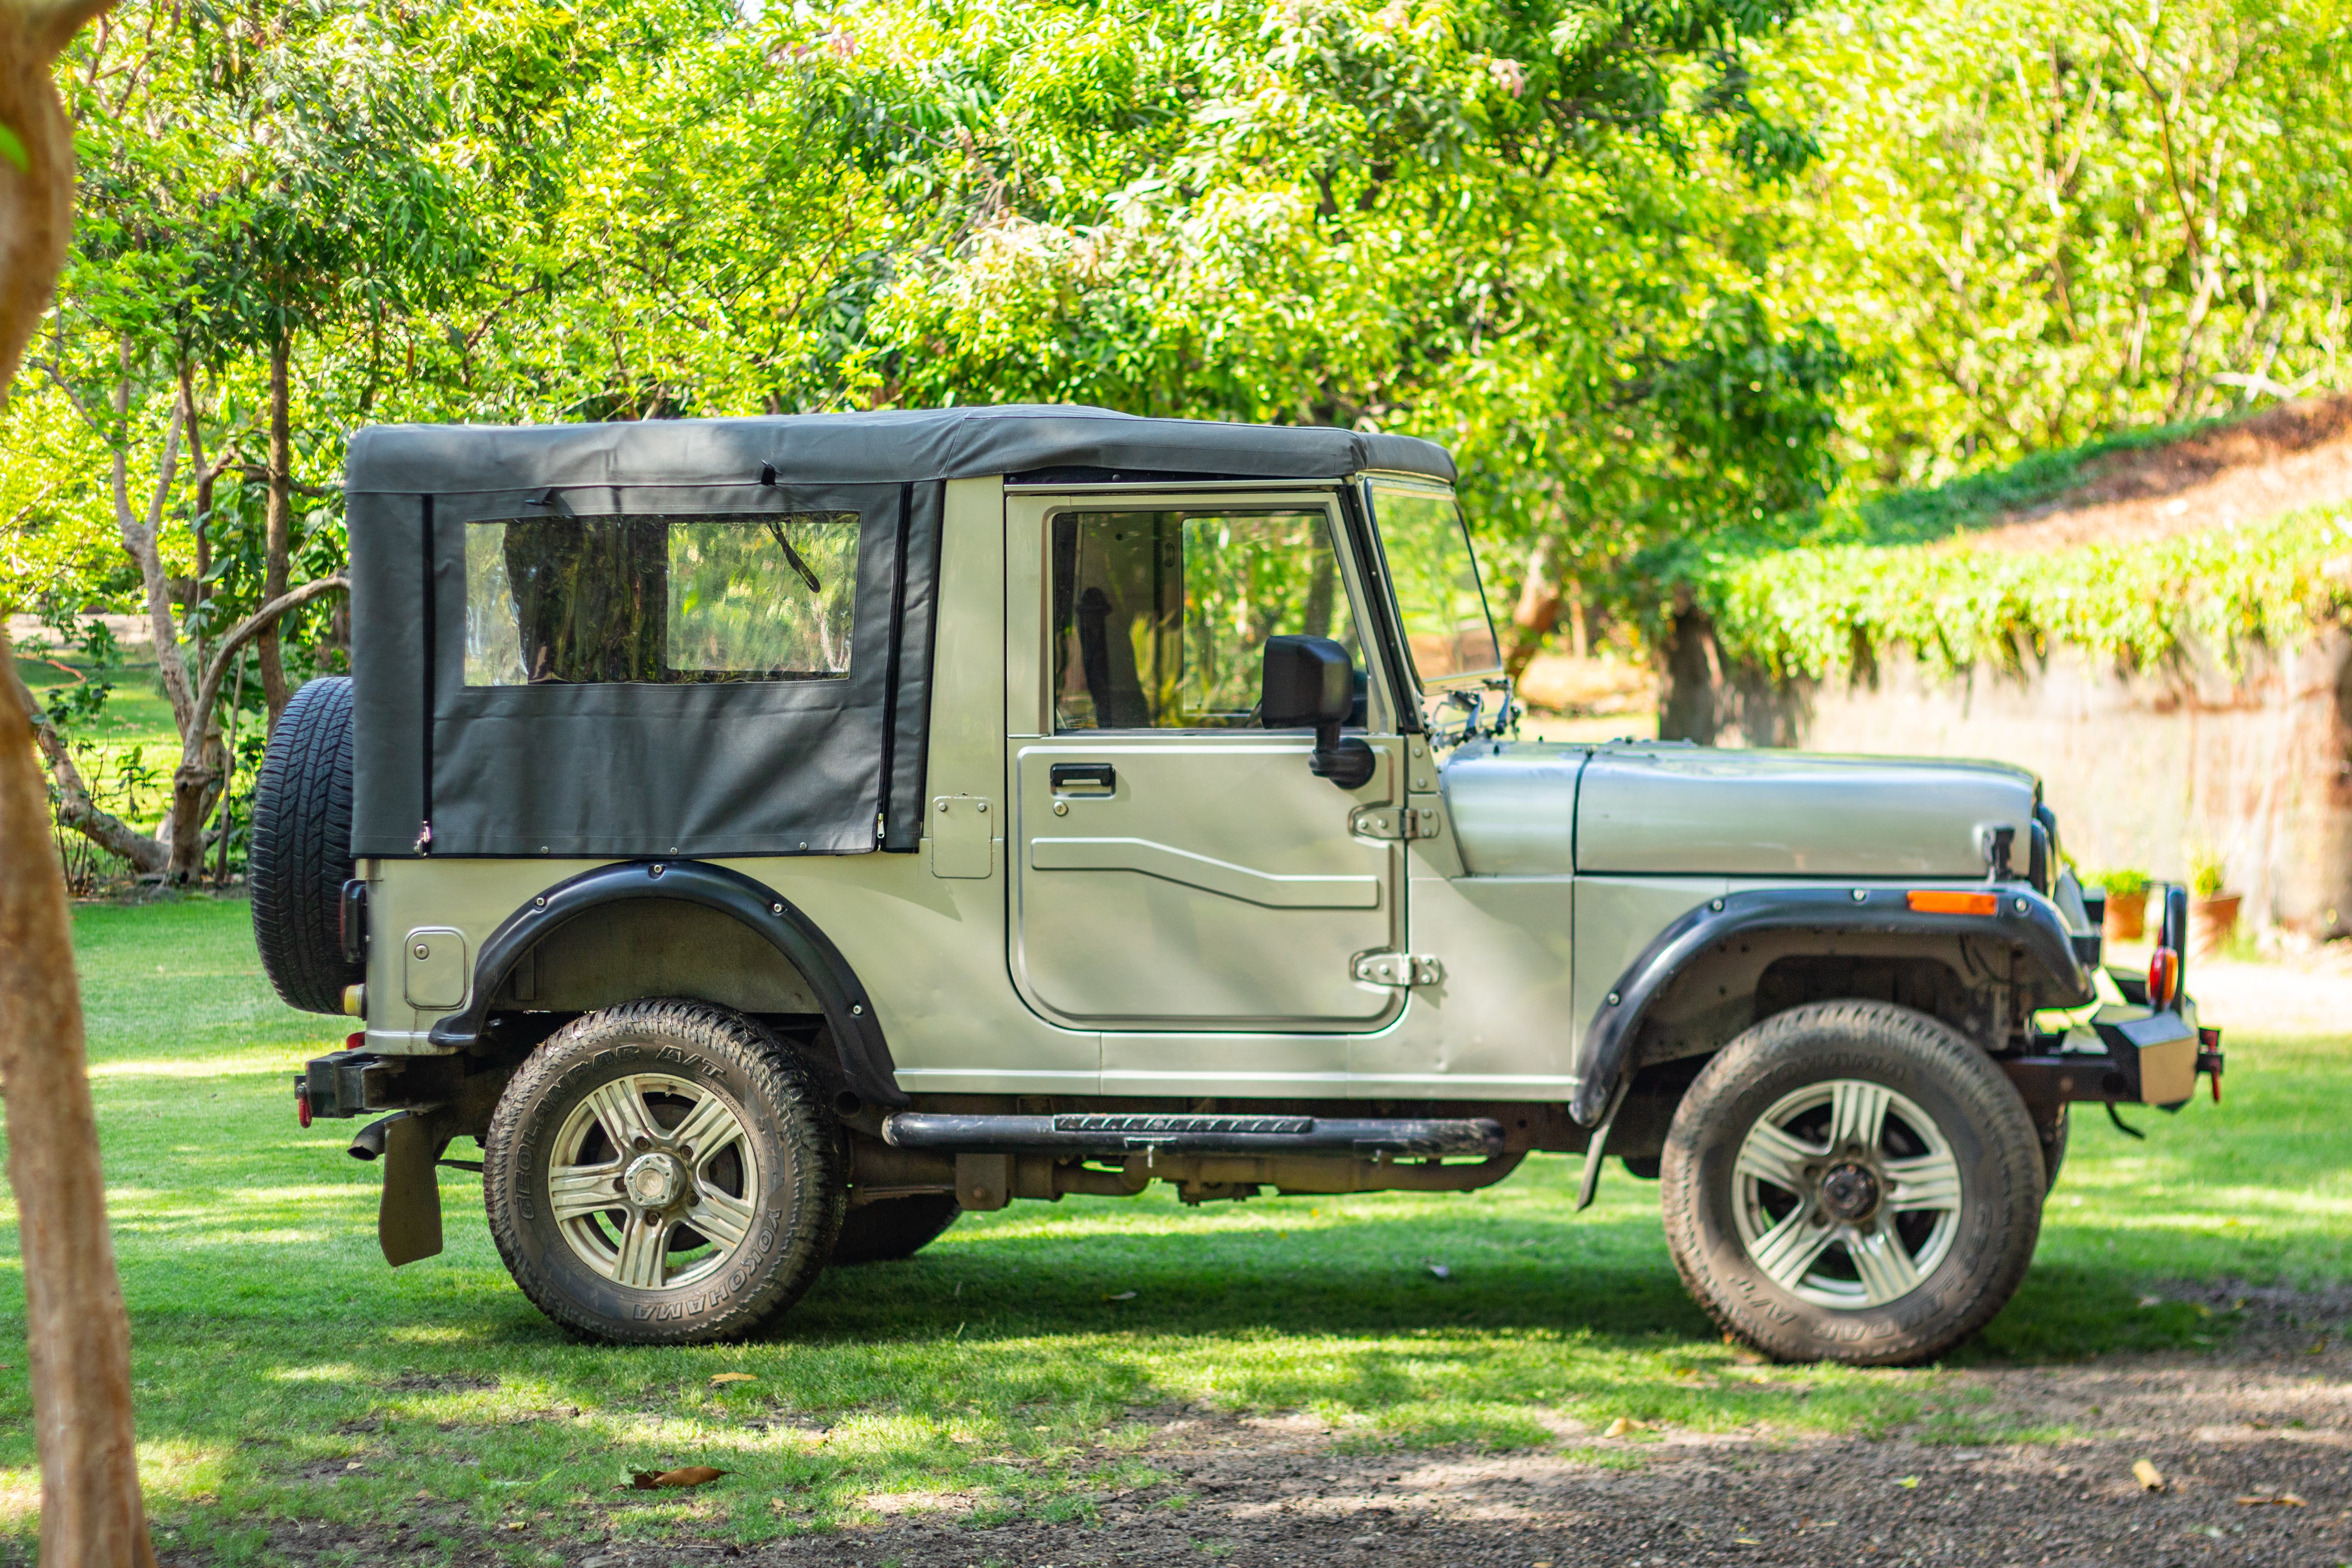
(2206, 870)
(1823, 612)
(2037, 223)
(2118, 883)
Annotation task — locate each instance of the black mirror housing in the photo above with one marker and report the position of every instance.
(1310, 682)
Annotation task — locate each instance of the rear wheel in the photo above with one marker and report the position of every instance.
(660, 1173)
(892, 1228)
(1853, 1182)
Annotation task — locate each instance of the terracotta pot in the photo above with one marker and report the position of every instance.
(2210, 922)
(2126, 916)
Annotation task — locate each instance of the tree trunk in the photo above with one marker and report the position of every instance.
(280, 533)
(1536, 613)
(203, 772)
(78, 1335)
(1688, 709)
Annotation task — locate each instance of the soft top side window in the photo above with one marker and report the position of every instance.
(660, 600)
(1161, 616)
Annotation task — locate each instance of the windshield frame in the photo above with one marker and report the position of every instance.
(1369, 488)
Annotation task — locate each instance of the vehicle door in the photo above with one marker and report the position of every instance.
(1179, 868)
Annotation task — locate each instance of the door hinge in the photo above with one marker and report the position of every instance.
(1394, 822)
(1407, 969)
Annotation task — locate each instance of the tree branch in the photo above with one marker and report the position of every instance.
(225, 651)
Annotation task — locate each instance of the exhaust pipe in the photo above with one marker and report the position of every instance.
(367, 1143)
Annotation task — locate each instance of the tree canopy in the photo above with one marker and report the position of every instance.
(1660, 272)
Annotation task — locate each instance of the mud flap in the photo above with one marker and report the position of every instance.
(408, 1223)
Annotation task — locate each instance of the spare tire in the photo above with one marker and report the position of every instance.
(301, 852)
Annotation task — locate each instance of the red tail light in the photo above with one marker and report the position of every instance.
(2163, 977)
(302, 1101)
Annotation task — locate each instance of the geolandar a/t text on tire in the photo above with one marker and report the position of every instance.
(774, 839)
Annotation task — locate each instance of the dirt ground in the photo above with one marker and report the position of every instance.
(2294, 455)
(2253, 1442)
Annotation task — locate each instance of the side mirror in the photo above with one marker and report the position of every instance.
(1309, 682)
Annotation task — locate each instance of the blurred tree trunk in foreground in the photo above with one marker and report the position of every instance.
(79, 1336)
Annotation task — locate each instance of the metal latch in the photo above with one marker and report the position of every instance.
(1394, 822)
(1399, 969)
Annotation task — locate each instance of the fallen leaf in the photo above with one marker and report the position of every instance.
(2284, 1500)
(2150, 1478)
(1618, 1427)
(2151, 1300)
(1122, 1296)
(717, 1378)
(656, 1480)
(1907, 1482)
(1439, 1269)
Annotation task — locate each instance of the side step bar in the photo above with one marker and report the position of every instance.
(1086, 1134)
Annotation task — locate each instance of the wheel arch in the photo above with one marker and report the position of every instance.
(1718, 943)
(832, 987)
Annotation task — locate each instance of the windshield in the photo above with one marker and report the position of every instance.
(1435, 577)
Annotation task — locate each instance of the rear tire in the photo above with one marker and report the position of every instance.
(301, 852)
(1853, 1182)
(893, 1229)
(662, 1172)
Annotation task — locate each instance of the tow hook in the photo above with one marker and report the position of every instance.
(2209, 1056)
(302, 1100)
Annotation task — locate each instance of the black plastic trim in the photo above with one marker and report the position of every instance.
(2038, 928)
(857, 1035)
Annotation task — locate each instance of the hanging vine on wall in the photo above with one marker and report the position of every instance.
(1815, 613)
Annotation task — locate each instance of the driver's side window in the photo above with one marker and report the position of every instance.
(1160, 617)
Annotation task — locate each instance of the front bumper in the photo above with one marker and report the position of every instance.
(2130, 1054)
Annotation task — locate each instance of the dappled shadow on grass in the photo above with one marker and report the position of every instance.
(1352, 1277)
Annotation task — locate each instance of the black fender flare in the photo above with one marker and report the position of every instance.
(857, 1035)
(2021, 917)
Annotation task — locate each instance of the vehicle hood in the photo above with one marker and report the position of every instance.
(1537, 809)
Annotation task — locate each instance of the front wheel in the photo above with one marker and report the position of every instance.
(1853, 1182)
(660, 1174)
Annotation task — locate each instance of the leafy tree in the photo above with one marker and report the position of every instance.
(2036, 224)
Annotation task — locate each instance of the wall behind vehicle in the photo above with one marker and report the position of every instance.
(2141, 768)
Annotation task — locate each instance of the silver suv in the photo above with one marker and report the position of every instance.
(768, 838)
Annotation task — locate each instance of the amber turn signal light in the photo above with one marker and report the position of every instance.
(2163, 977)
(1944, 901)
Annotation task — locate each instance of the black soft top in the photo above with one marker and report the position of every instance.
(894, 446)
(586, 768)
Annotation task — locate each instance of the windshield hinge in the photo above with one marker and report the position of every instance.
(1394, 822)
(1401, 969)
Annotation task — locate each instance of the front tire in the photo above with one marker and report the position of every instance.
(1853, 1182)
(661, 1172)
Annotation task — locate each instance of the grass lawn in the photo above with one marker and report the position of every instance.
(283, 1372)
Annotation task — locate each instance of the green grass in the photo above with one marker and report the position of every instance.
(284, 1374)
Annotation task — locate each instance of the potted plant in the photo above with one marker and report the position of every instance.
(2212, 913)
(2126, 903)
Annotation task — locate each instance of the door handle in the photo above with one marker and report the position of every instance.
(1090, 778)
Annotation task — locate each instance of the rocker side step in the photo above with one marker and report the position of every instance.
(1081, 1134)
